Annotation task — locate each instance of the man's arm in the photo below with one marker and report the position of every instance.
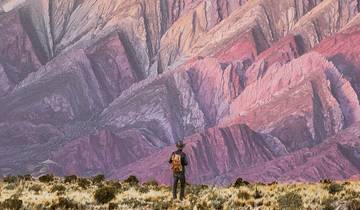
(170, 160)
(185, 162)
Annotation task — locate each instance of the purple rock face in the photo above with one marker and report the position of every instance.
(17, 55)
(265, 90)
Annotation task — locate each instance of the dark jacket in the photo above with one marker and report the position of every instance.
(184, 161)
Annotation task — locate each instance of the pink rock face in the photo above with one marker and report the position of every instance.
(240, 152)
(266, 89)
(111, 66)
(17, 54)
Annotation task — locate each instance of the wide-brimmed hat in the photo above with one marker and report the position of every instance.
(180, 144)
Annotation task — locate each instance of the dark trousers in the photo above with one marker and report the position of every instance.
(179, 177)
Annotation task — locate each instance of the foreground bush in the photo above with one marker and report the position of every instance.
(46, 178)
(334, 188)
(65, 203)
(132, 180)
(58, 188)
(290, 201)
(84, 183)
(98, 179)
(240, 182)
(353, 204)
(10, 179)
(70, 179)
(104, 194)
(12, 203)
(36, 188)
(152, 183)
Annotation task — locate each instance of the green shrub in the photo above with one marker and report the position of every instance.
(353, 204)
(46, 178)
(65, 203)
(58, 188)
(327, 204)
(98, 179)
(70, 179)
(104, 194)
(240, 182)
(12, 203)
(257, 194)
(10, 186)
(143, 189)
(243, 195)
(83, 183)
(334, 188)
(113, 206)
(151, 182)
(36, 188)
(10, 179)
(132, 180)
(115, 184)
(325, 181)
(290, 201)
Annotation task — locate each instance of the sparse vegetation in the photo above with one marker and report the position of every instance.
(83, 193)
(104, 194)
(335, 188)
(290, 201)
(70, 179)
(46, 178)
(84, 183)
(132, 180)
(12, 203)
(240, 182)
(36, 188)
(98, 179)
(10, 179)
(58, 188)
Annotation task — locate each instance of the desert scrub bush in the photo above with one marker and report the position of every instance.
(133, 203)
(65, 203)
(257, 194)
(151, 183)
(10, 179)
(243, 195)
(353, 204)
(98, 179)
(290, 201)
(132, 180)
(327, 204)
(58, 188)
(325, 181)
(26, 177)
(83, 183)
(46, 178)
(70, 179)
(334, 188)
(115, 184)
(196, 189)
(10, 186)
(113, 206)
(240, 182)
(104, 194)
(143, 189)
(36, 188)
(12, 203)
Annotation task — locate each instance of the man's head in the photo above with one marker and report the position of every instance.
(180, 144)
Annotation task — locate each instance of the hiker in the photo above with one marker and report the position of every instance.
(178, 162)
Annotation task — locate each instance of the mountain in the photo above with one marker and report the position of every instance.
(258, 89)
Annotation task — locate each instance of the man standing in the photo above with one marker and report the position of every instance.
(178, 162)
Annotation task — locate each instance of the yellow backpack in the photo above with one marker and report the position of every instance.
(176, 163)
